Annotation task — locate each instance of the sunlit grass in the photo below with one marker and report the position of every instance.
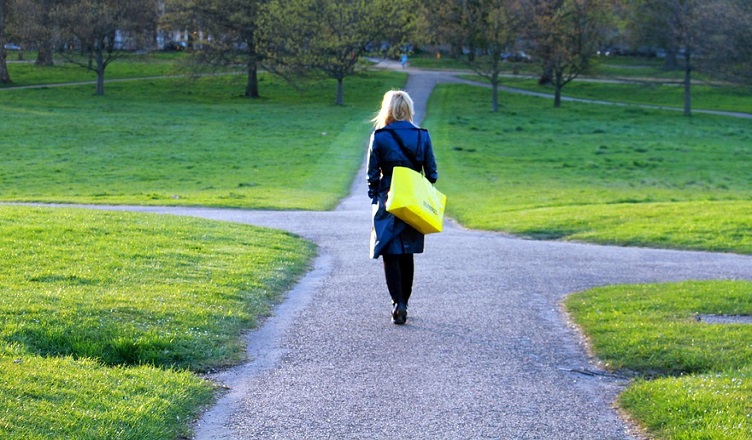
(594, 173)
(693, 377)
(61, 397)
(103, 316)
(183, 142)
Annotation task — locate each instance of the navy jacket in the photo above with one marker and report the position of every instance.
(389, 234)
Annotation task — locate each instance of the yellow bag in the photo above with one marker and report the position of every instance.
(414, 200)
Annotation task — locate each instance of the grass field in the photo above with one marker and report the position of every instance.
(700, 387)
(128, 66)
(188, 142)
(104, 316)
(594, 173)
(704, 96)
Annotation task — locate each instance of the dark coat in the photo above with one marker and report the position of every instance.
(389, 234)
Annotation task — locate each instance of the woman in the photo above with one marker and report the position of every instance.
(396, 141)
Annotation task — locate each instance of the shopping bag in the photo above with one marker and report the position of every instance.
(414, 200)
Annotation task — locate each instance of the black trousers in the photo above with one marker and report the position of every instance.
(399, 271)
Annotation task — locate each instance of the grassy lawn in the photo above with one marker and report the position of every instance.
(188, 142)
(705, 97)
(104, 316)
(647, 82)
(695, 378)
(596, 173)
(128, 66)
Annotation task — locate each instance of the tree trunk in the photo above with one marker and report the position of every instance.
(546, 77)
(4, 75)
(46, 45)
(671, 62)
(558, 84)
(687, 85)
(340, 91)
(495, 93)
(495, 80)
(44, 55)
(252, 86)
(100, 73)
(557, 96)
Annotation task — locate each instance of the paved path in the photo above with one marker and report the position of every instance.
(486, 352)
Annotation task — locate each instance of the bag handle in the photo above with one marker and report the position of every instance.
(407, 152)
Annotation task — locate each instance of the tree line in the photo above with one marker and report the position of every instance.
(296, 38)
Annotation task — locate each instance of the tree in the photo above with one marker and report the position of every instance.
(443, 22)
(327, 36)
(230, 29)
(713, 36)
(26, 23)
(35, 24)
(726, 46)
(4, 75)
(487, 28)
(98, 29)
(564, 35)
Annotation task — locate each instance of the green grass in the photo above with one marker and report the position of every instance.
(694, 377)
(104, 314)
(182, 142)
(596, 173)
(704, 97)
(128, 66)
(61, 398)
(651, 329)
(631, 67)
(706, 406)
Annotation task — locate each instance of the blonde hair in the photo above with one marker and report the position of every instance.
(396, 106)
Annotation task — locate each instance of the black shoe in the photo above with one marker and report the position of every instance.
(399, 314)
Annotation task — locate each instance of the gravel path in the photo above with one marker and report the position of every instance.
(486, 352)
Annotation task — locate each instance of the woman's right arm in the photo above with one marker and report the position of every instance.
(373, 170)
(429, 161)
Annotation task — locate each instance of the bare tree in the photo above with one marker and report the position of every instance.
(32, 26)
(564, 35)
(328, 36)
(484, 28)
(679, 26)
(726, 45)
(230, 30)
(97, 27)
(444, 22)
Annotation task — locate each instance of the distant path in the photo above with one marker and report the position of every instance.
(453, 76)
(486, 353)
